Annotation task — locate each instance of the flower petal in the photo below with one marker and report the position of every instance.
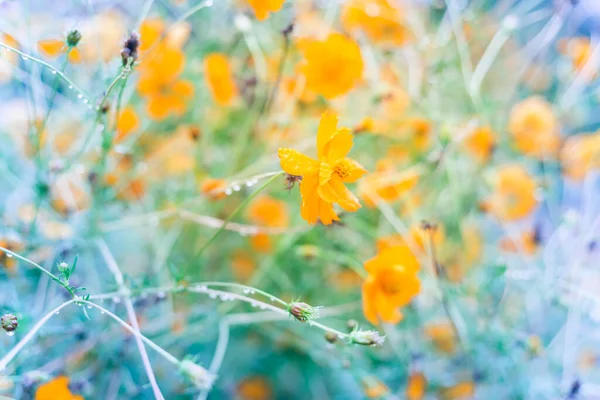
(387, 311)
(51, 47)
(74, 56)
(327, 213)
(295, 163)
(310, 199)
(327, 129)
(368, 300)
(334, 191)
(356, 171)
(339, 146)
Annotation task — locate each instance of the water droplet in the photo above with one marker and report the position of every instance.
(250, 183)
(161, 295)
(203, 288)
(9, 255)
(237, 188)
(252, 291)
(10, 333)
(253, 303)
(25, 58)
(102, 311)
(80, 96)
(116, 299)
(212, 295)
(262, 306)
(228, 191)
(89, 307)
(70, 86)
(85, 101)
(273, 298)
(53, 72)
(246, 291)
(58, 312)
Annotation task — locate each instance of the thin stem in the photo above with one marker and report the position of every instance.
(237, 210)
(79, 91)
(44, 270)
(23, 342)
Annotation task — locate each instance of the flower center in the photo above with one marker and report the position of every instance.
(342, 168)
(390, 283)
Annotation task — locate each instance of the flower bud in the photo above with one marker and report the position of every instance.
(366, 338)
(303, 312)
(352, 324)
(331, 337)
(63, 267)
(73, 38)
(9, 323)
(197, 374)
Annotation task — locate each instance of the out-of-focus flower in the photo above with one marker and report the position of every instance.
(269, 212)
(173, 155)
(380, 20)
(374, 388)
(102, 37)
(527, 243)
(346, 280)
(242, 265)
(323, 179)
(254, 388)
(56, 389)
(128, 122)
(514, 195)
(480, 143)
(219, 78)
(391, 284)
(580, 154)
(160, 84)
(442, 336)
(333, 66)
(68, 194)
(56, 47)
(416, 387)
(213, 188)
(419, 236)
(534, 128)
(263, 8)
(11, 244)
(579, 50)
(154, 32)
(460, 391)
(386, 183)
(8, 59)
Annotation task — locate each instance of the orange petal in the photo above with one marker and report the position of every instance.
(150, 31)
(387, 311)
(296, 163)
(183, 88)
(334, 191)
(368, 300)
(327, 129)
(51, 47)
(127, 123)
(339, 146)
(355, 170)
(310, 199)
(219, 78)
(158, 107)
(74, 56)
(327, 213)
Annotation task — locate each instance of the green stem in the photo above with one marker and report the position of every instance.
(44, 270)
(237, 210)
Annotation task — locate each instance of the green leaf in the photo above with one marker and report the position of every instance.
(74, 263)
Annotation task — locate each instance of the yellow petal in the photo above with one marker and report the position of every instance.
(296, 163)
(51, 47)
(327, 129)
(334, 191)
(339, 146)
(355, 170)
(326, 213)
(310, 199)
(74, 56)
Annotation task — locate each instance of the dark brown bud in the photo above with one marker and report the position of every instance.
(73, 38)
(9, 323)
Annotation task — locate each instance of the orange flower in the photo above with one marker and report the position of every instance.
(9, 262)
(56, 389)
(214, 189)
(480, 143)
(267, 211)
(442, 337)
(514, 196)
(416, 387)
(345, 280)
(219, 78)
(263, 8)
(8, 59)
(386, 184)
(243, 266)
(392, 283)
(127, 123)
(153, 31)
(55, 47)
(463, 390)
(323, 179)
(380, 20)
(261, 242)
(530, 241)
(332, 67)
(580, 51)
(374, 388)
(580, 154)
(534, 128)
(160, 84)
(418, 235)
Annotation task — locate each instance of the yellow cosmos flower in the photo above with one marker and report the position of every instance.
(219, 78)
(534, 128)
(514, 197)
(333, 66)
(442, 336)
(378, 19)
(128, 122)
(263, 8)
(56, 47)
(416, 387)
(323, 179)
(480, 143)
(463, 390)
(56, 389)
(386, 184)
(391, 284)
(580, 154)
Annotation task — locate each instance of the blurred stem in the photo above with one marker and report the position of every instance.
(237, 210)
(39, 194)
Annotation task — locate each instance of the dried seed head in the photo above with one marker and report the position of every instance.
(73, 38)
(331, 337)
(130, 49)
(303, 312)
(9, 322)
(366, 338)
